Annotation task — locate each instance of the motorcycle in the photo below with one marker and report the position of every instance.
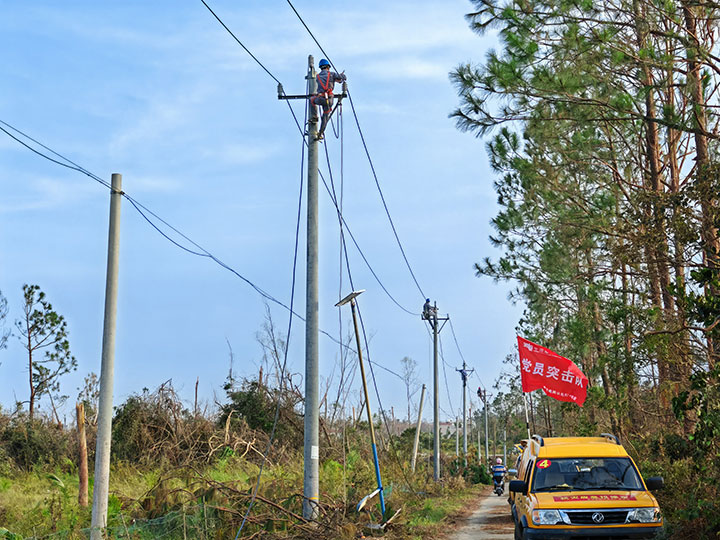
(498, 485)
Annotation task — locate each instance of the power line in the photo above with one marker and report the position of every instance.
(447, 386)
(240, 43)
(362, 325)
(72, 166)
(287, 343)
(452, 329)
(341, 218)
(302, 131)
(201, 251)
(367, 153)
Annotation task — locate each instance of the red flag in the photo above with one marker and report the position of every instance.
(559, 377)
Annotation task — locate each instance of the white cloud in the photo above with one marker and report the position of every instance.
(163, 117)
(45, 193)
(240, 154)
(378, 108)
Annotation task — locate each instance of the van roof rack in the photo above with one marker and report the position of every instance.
(610, 436)
(538, 439)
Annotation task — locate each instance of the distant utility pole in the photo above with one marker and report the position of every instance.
(107, 369)
(464, 372)
(311, 480)
(430, 314)
(482, 394)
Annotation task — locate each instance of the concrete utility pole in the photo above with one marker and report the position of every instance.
(464, 372)
(311, 484)
(311, 480)
(107, 369)
(430, 315)
(482, 394)
(487, 445)
(417, 429)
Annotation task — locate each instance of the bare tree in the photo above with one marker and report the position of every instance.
(409, 375)
(89, 396)
(348, 366)
(274, 346)
(4, 332)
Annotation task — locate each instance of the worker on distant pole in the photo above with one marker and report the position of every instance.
(326, 80)
(429, 312)
(427, 307)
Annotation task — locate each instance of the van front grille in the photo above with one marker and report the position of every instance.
(597, 517)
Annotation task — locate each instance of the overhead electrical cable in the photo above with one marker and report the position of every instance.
(287, 341)
(447, 386)
(302, 131)
(452, 329)
(259, 63)
(367, 153)
(144, 211)
(362, 324)
(70, 165)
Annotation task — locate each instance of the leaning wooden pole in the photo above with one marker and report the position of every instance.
(82, 456)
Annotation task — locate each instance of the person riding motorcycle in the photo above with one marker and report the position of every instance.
(498, 472)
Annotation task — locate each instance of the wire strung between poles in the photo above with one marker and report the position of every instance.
(287, 341)
(367, 153)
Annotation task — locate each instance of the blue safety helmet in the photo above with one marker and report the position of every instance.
(323, 63)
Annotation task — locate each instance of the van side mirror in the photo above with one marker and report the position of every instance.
(654, 482)
(512, 472)
(517, 486)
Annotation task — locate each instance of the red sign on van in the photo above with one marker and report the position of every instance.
(559, 377)
(609, 497)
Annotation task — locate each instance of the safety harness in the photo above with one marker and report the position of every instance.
(327, 87)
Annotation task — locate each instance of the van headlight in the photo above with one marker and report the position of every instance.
(546, 517)
(644, 515)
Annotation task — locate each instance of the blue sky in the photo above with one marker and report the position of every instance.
(160, 93)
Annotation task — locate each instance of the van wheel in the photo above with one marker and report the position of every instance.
(518, 531)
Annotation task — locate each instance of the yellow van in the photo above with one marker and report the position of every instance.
(582, 487)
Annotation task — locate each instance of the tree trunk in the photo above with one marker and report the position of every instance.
(709, 232)
(31, 405)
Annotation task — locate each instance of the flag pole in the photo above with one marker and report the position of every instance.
(527, 421)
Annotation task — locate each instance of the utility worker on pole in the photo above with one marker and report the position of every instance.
(429, 312)
(326, 80)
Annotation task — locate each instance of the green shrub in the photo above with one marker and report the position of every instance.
(41, 442)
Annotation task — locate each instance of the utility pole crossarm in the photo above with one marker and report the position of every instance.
(301, 96)
(283, 95)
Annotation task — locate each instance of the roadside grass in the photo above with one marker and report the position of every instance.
(210, 500)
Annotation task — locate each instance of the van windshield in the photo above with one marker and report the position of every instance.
(583, 474)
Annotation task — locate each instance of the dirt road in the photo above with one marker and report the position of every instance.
(491, 521)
